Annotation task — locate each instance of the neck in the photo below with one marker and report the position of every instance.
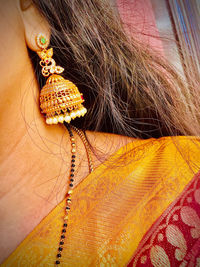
(35, 161)
(34, 156)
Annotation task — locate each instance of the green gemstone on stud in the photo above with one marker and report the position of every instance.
(43, 40)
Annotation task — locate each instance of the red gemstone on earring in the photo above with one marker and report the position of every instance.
(82, 97)
(47, 61)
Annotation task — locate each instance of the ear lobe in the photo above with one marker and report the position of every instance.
(34, 23)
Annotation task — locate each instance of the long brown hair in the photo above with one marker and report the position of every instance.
(128, 89)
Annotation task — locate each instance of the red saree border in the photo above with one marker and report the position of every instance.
(174, 239)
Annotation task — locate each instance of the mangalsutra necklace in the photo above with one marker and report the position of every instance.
(71, 180)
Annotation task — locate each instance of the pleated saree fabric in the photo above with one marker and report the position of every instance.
(133, 210)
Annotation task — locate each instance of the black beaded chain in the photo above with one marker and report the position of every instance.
(69, 193)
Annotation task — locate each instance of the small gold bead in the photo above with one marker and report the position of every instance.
(73, 150)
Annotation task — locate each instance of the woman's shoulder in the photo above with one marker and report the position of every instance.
(181, 153)
(166, 147)
(181, 143)
(111, 143)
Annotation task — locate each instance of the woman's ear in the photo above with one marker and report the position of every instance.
(34, 23)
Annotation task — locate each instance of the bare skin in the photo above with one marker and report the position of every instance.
(35, 157)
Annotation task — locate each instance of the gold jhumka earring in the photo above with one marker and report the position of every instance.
(60, 99)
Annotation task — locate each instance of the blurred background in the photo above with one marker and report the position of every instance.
(172, 27)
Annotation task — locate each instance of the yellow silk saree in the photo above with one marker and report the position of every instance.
(141, 207)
